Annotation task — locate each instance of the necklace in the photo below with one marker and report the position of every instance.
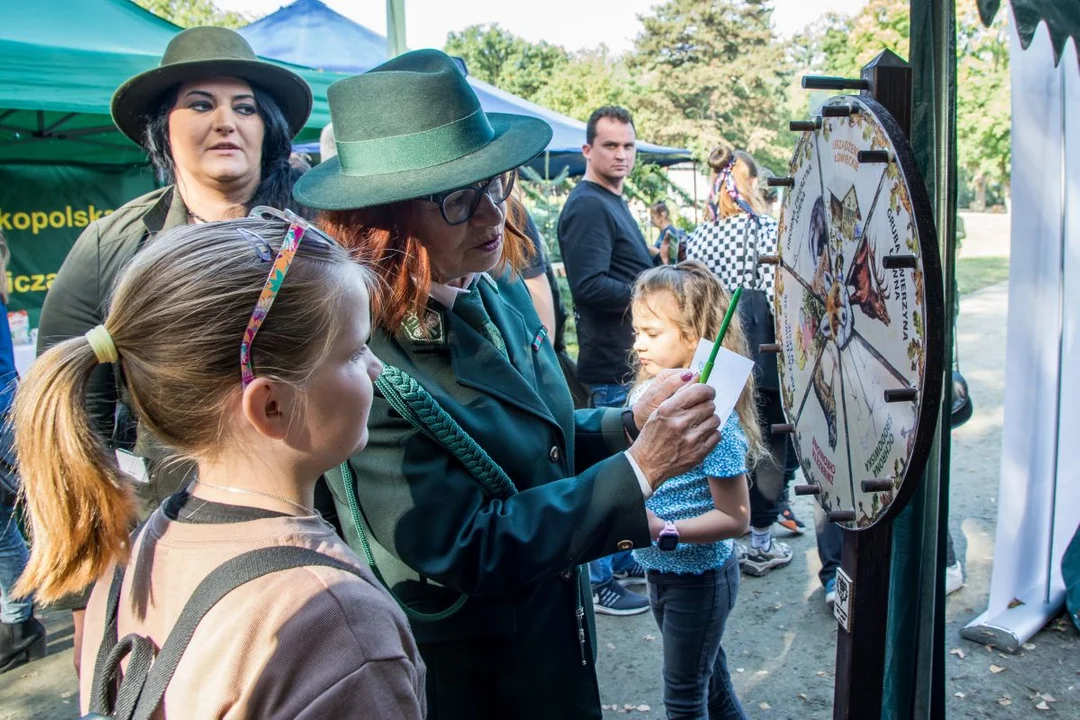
(307, 510)
(197, 218)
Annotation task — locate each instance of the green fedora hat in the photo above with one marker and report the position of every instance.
(203, 52)
(412, 127)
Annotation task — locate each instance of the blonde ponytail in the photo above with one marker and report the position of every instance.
(81, 506)
(174, 325)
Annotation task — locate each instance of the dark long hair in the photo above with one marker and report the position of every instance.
(277, 176)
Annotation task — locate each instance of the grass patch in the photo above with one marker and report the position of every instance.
(975, 273)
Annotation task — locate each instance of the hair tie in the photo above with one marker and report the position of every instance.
(101, 343)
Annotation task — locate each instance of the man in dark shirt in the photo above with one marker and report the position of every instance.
(604, 252)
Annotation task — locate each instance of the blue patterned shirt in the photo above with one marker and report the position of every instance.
(688, 496)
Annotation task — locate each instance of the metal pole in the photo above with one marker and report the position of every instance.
(395, 28)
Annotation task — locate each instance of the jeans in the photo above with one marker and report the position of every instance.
(830, 544)
(609, 394)
(691, 612)
(600, 571)
(770, 479)
(13, 559)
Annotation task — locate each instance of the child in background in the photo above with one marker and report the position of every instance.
(264, 399)
(693, 572)
(668, 244)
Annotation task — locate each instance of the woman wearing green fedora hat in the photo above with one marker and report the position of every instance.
(217, 123)
(481, 490)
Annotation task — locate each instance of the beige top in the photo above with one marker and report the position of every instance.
(311, 642)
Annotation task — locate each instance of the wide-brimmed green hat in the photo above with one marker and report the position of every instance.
(208, 52)
(412, 127)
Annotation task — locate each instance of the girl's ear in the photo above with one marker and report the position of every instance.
(268, 406)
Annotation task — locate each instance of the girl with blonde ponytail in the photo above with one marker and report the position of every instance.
(692, 568)
(736, 233)
(243, 348)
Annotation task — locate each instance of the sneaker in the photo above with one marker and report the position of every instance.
(789, 522)
(830, 592)
(760, 561)
(633, 575)
(740, 553)
(954, 578)
(611, 598)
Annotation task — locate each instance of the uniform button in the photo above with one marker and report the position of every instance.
(554, 454)
(625, 545)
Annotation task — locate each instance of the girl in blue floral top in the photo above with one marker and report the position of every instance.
(693, 573)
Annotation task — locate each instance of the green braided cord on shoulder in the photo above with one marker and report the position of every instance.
(424, 413)
(354, 508)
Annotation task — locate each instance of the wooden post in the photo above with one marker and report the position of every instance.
(866, 557)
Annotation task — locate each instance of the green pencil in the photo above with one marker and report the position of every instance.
(707, 370)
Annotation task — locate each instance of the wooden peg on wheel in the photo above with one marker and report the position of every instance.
(782, 429)
(768, 259)
(841, 515)
(898, 262)
(805, 125)
(875, 156)
(901, 395)
(811, 489)
(878, 485)
(769, 349)
(839, 110)
(825, 82)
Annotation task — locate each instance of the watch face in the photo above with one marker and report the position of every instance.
(667, 542)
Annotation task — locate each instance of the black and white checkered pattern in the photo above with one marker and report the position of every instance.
(727, 248)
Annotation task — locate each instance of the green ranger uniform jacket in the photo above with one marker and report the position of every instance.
(78, 300)
(514, 650)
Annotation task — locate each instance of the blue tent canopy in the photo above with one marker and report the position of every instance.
(310, 33)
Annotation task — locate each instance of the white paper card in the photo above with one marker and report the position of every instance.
(728, 377)
(133, 466)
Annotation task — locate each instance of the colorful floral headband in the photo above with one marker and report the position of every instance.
(298, 229)
(725, 180)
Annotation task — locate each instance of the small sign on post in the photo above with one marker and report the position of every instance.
(845, 593)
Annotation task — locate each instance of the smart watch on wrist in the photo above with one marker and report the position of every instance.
(629, 426)
(668, 539)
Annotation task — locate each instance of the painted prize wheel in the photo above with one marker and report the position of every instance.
(859, 313)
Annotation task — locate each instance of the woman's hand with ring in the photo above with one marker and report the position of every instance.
(679, 433)
(665, 385)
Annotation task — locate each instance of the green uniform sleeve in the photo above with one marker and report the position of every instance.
(426, 510)
(75, 303)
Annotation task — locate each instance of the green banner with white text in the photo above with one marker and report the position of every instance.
(44, 208)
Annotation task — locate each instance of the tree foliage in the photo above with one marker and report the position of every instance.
(705, 70)
(192, 13)
(983, 104)
(589, 79)
(839, 45)
(709, 71)
(508, 62)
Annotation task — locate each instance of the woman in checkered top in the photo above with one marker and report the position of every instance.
(729, 243)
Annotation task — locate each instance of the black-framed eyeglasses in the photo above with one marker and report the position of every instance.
(459, 205)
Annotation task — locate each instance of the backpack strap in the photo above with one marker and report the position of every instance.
(143, 686)
(101, 689)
